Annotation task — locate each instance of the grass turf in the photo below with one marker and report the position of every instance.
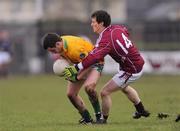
(39, 103)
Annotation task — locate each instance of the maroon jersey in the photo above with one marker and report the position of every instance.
(114, 41)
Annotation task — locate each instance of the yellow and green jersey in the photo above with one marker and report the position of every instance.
(75, 48)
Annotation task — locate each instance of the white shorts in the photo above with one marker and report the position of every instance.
(123, 79)
(5, 57)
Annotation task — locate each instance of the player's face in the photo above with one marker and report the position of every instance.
(53, 50)
(97, 27)
(57, 49)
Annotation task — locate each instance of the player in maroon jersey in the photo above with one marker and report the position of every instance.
(113, 40)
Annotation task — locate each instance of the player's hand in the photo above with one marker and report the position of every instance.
(70, 72)
(72, 78)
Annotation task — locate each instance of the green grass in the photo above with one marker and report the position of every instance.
(39, 103)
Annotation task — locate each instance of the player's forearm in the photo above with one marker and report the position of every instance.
(94, 57)
(85, 64)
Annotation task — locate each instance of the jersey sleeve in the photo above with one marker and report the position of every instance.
(97, 54)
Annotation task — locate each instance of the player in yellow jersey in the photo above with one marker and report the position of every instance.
(75, 49)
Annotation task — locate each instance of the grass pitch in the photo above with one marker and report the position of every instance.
(39, 103)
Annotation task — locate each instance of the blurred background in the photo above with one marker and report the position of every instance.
(154, 26)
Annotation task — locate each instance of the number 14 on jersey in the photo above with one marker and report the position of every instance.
(127, 42)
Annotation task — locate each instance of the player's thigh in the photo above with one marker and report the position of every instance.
(73, 88)
(92, 78)
(109, 88)
(83, 74)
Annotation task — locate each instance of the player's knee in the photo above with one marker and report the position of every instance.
(90, 91)
(90, 87)
(104, 93)
(70, 95)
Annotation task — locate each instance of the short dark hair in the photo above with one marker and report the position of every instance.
(102, 16)
(50, 39)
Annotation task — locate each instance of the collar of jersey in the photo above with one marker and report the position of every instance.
(65, 46)
(104, 30)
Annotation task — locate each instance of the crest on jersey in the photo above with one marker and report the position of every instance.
(82, 55)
